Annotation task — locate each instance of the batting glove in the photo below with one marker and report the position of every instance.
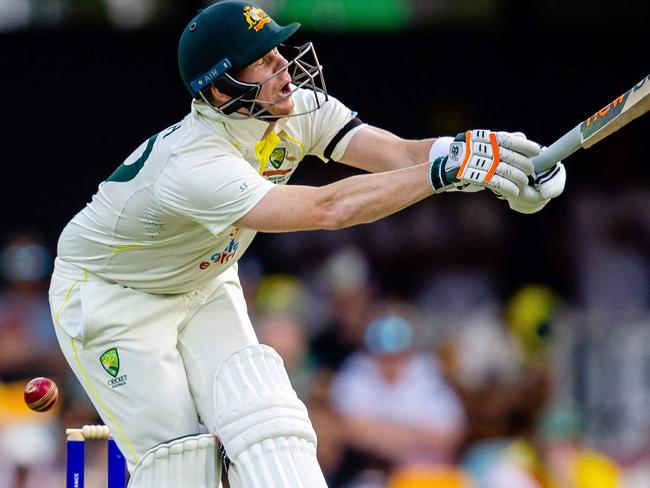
(499, 161)
(544, 186)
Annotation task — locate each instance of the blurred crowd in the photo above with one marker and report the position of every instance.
(334, 15)
(455, 386)
(324, 15)
(402, 398)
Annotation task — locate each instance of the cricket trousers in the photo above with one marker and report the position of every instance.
(148, 361)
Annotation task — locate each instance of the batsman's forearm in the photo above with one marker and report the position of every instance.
(366, 198)
(355, 200)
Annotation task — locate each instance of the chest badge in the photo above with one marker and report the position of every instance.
(277, 156)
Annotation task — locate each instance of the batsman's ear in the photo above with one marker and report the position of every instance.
(215, 96)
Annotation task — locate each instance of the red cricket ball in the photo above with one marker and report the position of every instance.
(41, 394)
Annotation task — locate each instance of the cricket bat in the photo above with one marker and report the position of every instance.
(624, 109)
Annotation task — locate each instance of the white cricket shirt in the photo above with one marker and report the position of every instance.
(163, 222)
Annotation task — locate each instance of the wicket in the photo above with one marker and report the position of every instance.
(75, 461)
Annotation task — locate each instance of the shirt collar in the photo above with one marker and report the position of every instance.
(242, 131)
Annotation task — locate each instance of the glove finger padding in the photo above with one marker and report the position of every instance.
(547, 185)
(529, 201)
(513, 174)
(551, 182)
(517, 142)
(518, 160)
(502, 186)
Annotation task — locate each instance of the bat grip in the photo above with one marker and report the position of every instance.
(559, 150)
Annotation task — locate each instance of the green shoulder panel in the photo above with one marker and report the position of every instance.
(128, 172)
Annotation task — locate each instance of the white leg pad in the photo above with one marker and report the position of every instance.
(188, 462)
(262, 424)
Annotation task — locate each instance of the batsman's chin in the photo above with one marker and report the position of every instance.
(283, 107)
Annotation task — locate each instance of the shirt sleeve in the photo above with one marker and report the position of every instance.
(215, 193)
(333, 126)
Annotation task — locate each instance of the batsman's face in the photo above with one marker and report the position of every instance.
(276, 92)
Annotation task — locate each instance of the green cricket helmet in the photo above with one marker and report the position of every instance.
(224, 38)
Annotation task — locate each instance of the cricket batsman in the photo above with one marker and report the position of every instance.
(146, 301)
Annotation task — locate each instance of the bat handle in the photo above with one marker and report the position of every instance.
(559, 150)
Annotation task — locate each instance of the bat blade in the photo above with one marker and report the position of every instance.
(620, 112)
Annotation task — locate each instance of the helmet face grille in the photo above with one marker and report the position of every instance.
(305, 72)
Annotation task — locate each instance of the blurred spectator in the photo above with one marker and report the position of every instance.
(284, 334)
(430, 477)
(610, 379)
(29, 343)
(498, 364)
(556, 458)
(29, 349)
(282, 294)
(568, 460)
(612, 269)
(529, 314)
(345, 277)
(499, 463)
(397, 408)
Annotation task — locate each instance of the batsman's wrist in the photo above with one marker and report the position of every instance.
(440, 179)
(440, 147)
(438, 155)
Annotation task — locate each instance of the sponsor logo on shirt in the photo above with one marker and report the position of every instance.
(226, 254)
(277, 176)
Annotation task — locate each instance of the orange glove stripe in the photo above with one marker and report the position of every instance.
(468, 152)
(496, 157)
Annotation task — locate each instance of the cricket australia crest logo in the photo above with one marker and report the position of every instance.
(277, 157)
(111, 362)
(256, 17)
